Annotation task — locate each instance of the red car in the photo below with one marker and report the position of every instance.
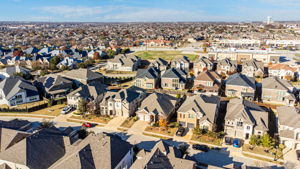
(87, 125)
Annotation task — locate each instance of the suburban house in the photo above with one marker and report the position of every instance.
(226, 67)
(241, 86)
(160, 64)
(208, 82)
(68, 62)
(156, 107)
(38, 61)
(172, 158)
(253, 68)
(278, 91)
(89, 153)
(54, 86)
(83, 76)
(174, 78)
(147, 78)
(182, 63)
(121, 103)
(244, 119)
(199, 111)
(283, 71)
(15, 91)
(202, 64)
(89, 93)
(123, 63)
(157, 43)
(289, 126)
(21, 150)
(12, 71)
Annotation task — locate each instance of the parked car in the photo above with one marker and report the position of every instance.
(298, 154)
(201, 147)
(66, 110)
(236, 143)
(180, 131)
(228, 140)
(87, 125)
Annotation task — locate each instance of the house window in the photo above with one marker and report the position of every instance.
(248, 127)
(149, 85)
(239, 123)
(244, 89)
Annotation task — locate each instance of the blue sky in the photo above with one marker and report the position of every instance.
(148, 10)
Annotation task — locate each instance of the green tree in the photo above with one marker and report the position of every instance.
(82, 133)
(254, 140)
(63, 67)
(266, 141)
(53, 62)
(82, 106)
(110, 53)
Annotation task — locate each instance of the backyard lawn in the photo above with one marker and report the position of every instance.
(167, 55)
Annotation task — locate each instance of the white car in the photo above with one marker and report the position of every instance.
(66, 110)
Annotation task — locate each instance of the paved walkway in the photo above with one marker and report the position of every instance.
(115, 123)
(138, 127)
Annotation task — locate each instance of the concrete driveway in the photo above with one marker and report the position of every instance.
(115, 123)
(290, 158)
(138, 127)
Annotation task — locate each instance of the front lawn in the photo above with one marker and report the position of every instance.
(208, 137)
(93, 118)
(162, 130)
(270, 152)
(129, 122)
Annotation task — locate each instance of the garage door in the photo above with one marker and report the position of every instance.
(141, 117)
(297, 146)
(288, 144)
(190, 125)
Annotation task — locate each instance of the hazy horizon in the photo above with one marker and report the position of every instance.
(149, 10)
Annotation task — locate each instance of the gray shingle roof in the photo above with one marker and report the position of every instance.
(150, 73)
(162, 156)
(11, 70)
(13, 85)
(89, 91)
(276, 83)
(289, 116)
(249, 112)
(158, 103)
(54, 82)
(206, 105)
(239, 79)
(82, 74)
(175, 73)
(95, 151)
(37, 151)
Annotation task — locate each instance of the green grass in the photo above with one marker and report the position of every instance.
(167, 55)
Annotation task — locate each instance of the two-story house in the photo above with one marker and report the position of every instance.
(283, 71)
(203, 64)
(253, 68)
(289, 126)
(121, 103)
(147, 78)
(241, 86)
(160, 64)
(54, 86)
(199, 111)
(15, 91)
(244, 119)
(208, 82)
(279, 91)
(174, 78)
(123, 63)
(227, 67)
(156, 107)
(182, 63)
